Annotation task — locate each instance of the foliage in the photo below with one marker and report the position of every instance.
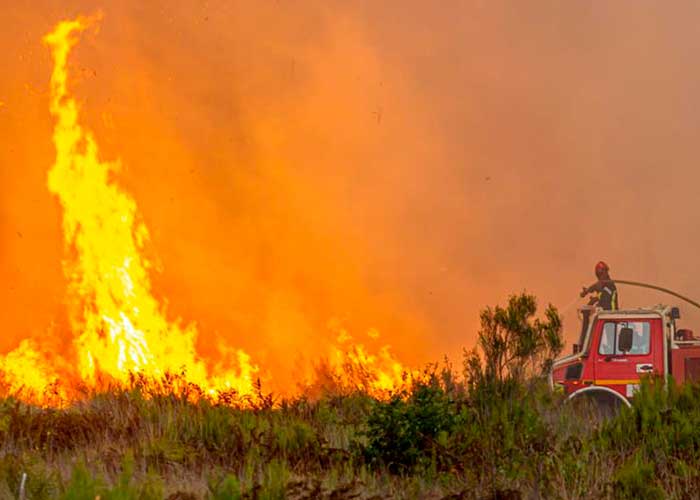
(412, 429)
(515, 345)
(636, 481)
(496, 432)
(438, 439)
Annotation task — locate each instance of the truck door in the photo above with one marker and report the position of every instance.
(621, 371)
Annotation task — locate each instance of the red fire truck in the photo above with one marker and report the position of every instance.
(617, 348)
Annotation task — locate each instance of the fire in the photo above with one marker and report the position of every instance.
(120, 329)
(26, 368)
(378, 374)
(123, 329)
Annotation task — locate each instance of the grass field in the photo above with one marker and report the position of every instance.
(442, 439)
(493, 430)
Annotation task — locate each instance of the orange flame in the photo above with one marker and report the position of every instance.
(378, 374)
(120, 327)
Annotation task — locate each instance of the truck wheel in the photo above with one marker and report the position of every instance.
(598, 404)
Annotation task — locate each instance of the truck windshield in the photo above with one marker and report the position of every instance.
(611, 332)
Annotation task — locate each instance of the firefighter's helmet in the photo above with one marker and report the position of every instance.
(601, 268)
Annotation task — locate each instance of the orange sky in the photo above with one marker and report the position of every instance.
(398, 165)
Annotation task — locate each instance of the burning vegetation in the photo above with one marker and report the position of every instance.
(127, 400)
(119, 329)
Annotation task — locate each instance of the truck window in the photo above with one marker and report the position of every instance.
(641, 339)
(607, 339)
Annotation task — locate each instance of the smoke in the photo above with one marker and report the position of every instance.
(395, 166)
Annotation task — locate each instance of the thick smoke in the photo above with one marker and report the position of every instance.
(388, 165)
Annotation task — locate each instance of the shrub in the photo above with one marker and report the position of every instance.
(636, 481)
(414, 430)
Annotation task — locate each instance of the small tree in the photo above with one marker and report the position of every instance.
(515, 345)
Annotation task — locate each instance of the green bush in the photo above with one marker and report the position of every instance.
(410, 431)
(636, 480)
(227, 488)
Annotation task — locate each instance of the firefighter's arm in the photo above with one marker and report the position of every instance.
(586, 290)
(595, 287)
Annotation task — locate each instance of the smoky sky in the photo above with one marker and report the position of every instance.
(397, 165)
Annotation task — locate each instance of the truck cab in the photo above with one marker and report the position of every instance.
(617, 348)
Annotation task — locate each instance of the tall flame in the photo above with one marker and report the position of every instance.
(123, 327)
(120, 328)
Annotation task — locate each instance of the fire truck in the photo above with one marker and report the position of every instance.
(616, 349)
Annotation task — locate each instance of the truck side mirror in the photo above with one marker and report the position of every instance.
(675, 313)
(624, 339)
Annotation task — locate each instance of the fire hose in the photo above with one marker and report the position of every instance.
(655, 287)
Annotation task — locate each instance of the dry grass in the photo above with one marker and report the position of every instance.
(438, 441)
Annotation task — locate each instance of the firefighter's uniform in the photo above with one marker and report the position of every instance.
(606, 293)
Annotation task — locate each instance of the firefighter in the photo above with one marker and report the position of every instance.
(604, 292)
